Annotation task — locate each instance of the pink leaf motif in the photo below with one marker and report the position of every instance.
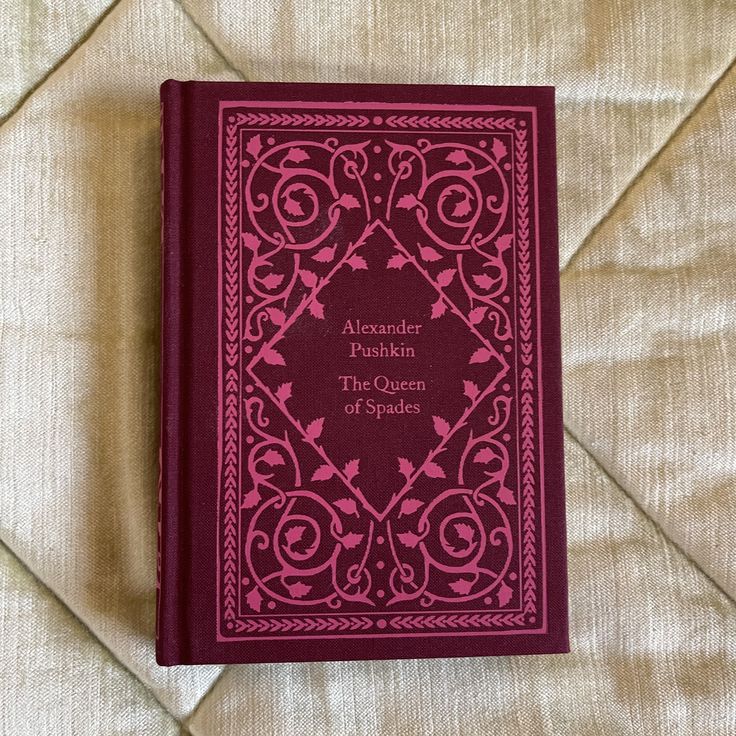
(438, 308)
(458, 156)
(481, 355)
(308, 278)
(397, 261)
(254, 599)
(409, 539)
(462, 207)
(444, 278)
(483, 280)
(273, 457)
(272, 357)
(476, 315)
(292, 206)
(351, 469)
(465, 532)
(462, 587)
(407, 201)
(351, 540)
(471, 390)
(251, 499)
(298, 589)
(409, 506)
(294, 534)
(441, 426)
(283, 392)
(405, 467)
(254, 145)
(357, 263)
(432, 470)
(506, 495)
(498, 149)
(348, 201)
(347, 506)
(314, 429)
(272, 280)
(324, 255)
(297, 155)
(484, 455)
(503, 242)
(504, 594)
(317, 309)
(251, 241)
(276, 315)
(429, 254)
(323, 472)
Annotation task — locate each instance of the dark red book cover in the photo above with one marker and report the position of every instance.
(361, 431)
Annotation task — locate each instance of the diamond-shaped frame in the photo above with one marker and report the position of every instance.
(303, 309)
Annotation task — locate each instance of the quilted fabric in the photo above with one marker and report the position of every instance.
(646, 135)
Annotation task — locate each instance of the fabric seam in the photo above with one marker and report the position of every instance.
(47, 590)
(660, 530)
(83, 38)
(679, 128)
(209, 40)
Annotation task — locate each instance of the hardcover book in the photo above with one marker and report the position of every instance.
(361, 433)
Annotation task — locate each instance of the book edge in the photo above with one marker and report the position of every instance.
(169, 636)
(554, 443)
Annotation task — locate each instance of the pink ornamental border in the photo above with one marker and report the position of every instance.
(229, 388)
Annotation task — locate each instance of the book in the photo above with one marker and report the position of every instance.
(361, 431)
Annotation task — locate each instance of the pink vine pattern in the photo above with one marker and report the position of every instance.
(282, 202)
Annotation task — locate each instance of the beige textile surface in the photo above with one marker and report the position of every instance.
(646, 135)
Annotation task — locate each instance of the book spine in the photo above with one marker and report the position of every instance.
(170, 636)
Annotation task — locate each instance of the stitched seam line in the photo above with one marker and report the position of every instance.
(205, 695)
(647, 166)
(209, 40)
(49, 591)
(658, 527)
(55, 67)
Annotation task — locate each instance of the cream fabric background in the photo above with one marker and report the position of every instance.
(646, 137)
